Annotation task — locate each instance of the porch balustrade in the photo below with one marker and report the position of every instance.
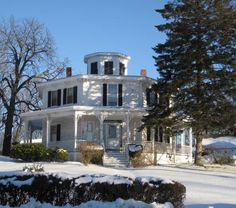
(160, 148)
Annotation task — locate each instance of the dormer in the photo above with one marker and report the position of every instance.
(107, 63)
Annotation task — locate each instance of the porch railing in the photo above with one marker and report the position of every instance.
(160, 148)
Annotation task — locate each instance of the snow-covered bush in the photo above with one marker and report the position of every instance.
(17, 190)
(91, 152)
(36, 167)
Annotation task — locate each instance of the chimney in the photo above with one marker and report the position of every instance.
(143, 72)
(68, 71)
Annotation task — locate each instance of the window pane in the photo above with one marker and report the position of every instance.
(122, 69)
(94, 68)
(70, 95)
(112, 95)
(54, 98)
(108, 68)
(112, 131)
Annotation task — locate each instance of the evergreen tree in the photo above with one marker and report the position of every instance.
(196, 65)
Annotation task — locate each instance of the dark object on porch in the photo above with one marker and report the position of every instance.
(135, 149)
(91, 152)
(60, 191)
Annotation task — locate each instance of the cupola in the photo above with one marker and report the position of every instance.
(107, 63)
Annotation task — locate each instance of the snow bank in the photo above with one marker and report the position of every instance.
(150, 179)
(16, 182)
(220, 142)
(131, 203)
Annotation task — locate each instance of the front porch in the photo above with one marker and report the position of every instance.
(113, 129)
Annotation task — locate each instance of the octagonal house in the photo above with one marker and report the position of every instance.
(104, 106)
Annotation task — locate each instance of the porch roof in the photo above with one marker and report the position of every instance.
(70, 110)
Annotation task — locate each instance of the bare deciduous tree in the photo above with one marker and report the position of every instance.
(27, 56)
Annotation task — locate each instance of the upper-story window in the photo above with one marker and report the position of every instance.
(122, 69)
(54, 98)
(151, 97)
(108, 67)
(70, 95)
(94, 68)
(112, 94)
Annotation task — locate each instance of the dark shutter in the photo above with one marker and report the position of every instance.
(64, 95)
(148, 134)
(75, 94)
(148, 96)
(104, 94)
(161, 134)
(49, 98)
(156, 134)
(58, 132)
(59, 97)
(120, 95)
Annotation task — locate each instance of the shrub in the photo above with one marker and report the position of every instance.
(36, 167)
(29, 152)
(38, 152)
(57, 154)
(91, 152)
(59, 191)
(220, 156)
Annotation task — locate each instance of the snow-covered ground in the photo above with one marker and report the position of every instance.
(205, 187)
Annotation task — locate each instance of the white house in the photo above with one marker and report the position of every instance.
(105, 106)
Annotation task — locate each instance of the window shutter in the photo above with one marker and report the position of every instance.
(64, 95)
(59, 97)
(120, 95)
(49, 98)
(75, 94)
(104, 94)
(58, 132)
(148, 96)
(148, 134)
(156, 134)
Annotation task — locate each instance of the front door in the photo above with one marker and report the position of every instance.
(113, 135)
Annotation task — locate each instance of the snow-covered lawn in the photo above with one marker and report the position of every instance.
(205, 188)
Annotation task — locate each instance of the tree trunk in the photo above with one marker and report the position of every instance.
(198, 151)
(8, 130)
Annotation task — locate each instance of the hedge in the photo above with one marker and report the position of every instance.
(17, 190)
(37, 152)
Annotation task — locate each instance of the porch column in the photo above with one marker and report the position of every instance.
(128, 118)
(190, 144)
(26, 134)
(101, 118)
(75, 129)
(48, 130)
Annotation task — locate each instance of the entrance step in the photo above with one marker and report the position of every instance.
(115, 159)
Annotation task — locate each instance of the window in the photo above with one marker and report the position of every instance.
(178, 139)
(122, 69)
(55, 133)
(151, 97)
(112, 95)
(94, 68)
(108, 68)
(186, 137)
(54, 98)
(70, 95)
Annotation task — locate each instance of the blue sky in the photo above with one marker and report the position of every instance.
(80, 27)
